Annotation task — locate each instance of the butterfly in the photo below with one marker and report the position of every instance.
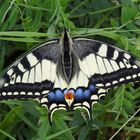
(68, 73)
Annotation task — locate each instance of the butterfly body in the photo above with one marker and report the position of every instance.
(68, 73)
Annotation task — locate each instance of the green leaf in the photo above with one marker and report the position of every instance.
(9, 123)
(7, 135)
(114, 22)
(19, 39)
(23, 34)
(59, 133)
(3, 11)
(43, 128)
(2, 53)
(83, 133)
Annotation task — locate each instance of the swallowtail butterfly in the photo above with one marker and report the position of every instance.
(68, 73)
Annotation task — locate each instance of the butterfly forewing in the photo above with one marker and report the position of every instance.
(33, 74)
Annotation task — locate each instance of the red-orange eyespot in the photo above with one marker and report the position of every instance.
(69, 96)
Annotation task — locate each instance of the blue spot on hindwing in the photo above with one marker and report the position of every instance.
(59, 96)
(78, 94)
(91, 88)
(56, 96)
(87, 94)
(51, 97)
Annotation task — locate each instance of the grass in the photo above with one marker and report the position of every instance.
(24, 24)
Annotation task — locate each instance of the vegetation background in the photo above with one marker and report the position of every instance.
(25, 23)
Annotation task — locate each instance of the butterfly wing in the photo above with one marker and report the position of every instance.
(104, 65)
(33, 75)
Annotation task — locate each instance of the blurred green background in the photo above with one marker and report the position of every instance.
(26, 23)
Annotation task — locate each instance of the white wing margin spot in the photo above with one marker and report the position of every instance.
(45, 92)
